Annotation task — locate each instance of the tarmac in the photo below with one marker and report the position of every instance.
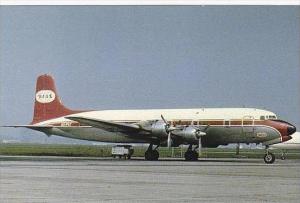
(63, 179)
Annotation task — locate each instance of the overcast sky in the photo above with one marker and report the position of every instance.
(128, 57)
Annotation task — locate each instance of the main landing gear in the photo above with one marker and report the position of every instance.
(191, 154)
(269, 157)
(152, 154)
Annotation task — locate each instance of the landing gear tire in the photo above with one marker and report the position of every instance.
(155, 155)
(269, 158)
(148, 155)
(151, 155)
(191, 155)
(282, 157)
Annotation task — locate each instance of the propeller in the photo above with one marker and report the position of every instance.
(167, 126)
(168, 131)
(199, 134)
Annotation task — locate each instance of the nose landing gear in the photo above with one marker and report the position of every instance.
(269, 157)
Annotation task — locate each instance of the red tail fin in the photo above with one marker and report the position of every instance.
(47, 103)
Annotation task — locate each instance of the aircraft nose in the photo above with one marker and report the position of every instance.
(291, 129)
(285, 129)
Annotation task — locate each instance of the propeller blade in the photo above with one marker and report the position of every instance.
(205, 129)
(167, 126)
(199, 146)
(169, 143)
(162, 117)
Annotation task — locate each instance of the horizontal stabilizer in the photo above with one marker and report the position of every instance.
(34, 127)
(105, 125)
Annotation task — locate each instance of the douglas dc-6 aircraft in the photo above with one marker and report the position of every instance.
(199, 127)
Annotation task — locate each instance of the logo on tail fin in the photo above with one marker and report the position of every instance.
(45, 96)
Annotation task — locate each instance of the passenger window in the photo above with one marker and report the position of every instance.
(262, 117)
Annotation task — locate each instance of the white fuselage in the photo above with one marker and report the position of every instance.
(172, 114)
(221, 116)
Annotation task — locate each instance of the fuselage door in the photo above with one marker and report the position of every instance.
(226, 123)
(248, 125)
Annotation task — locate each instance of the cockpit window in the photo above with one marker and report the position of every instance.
(268, 117)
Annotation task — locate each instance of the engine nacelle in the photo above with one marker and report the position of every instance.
(188, 134)
(158, 128)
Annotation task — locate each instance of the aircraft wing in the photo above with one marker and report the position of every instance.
(105, 125)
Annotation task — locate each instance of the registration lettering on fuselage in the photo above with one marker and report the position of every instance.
(261, 134)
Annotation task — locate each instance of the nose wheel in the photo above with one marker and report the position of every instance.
(269, 157)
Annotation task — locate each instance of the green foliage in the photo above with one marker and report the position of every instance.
(105, 151)
(54, 150)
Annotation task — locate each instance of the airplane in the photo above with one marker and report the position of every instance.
(197, 127)
(292, 144)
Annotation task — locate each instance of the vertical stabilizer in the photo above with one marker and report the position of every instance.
(47, 102)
